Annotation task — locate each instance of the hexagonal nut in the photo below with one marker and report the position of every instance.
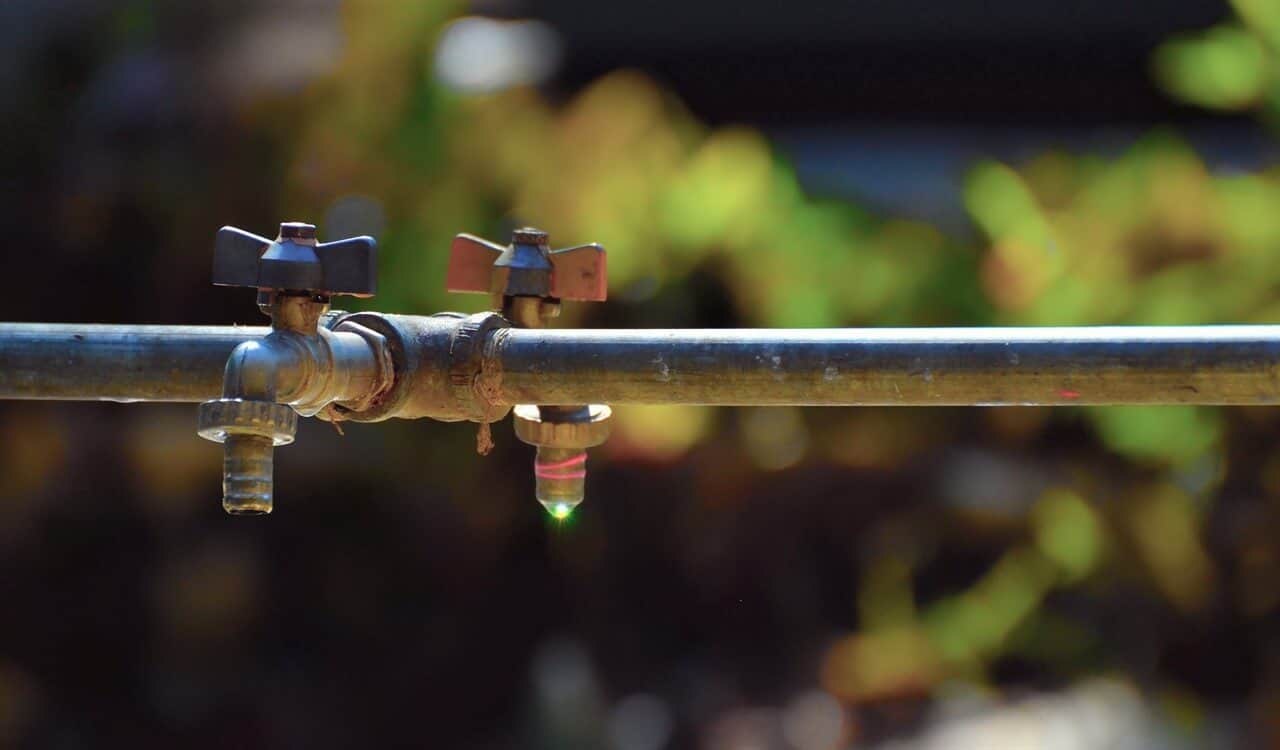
(532, 430)
(234, 416)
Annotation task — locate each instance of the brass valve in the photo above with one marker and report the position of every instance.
(527, 280)
(299, 367)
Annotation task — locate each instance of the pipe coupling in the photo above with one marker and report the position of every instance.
(471, 374)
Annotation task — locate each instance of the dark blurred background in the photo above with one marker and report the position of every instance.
(749, 578)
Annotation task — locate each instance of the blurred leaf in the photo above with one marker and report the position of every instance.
(1173, 434)
(1167, 532)
(1225, 67)
(886, 664)
(664, 432)
(1068, 532)
(973, 625)
(1262, 15)
(1003, 206)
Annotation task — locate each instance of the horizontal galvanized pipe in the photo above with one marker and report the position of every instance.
(908, 367)
(116, 363)
(1203, 365)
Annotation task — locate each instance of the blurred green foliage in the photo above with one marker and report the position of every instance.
(1150, 236)
(1232, 66)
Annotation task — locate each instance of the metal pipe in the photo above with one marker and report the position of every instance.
(907, 367)
(941, 366)
(116, 362)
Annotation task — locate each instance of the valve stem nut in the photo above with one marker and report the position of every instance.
(249, 432)
(562, 436)
(530, 236)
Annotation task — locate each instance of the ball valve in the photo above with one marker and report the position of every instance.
(300, 367)
(528, 280)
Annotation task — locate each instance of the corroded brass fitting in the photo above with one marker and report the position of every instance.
(562, 436)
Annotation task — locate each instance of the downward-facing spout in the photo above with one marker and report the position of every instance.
(300, 367)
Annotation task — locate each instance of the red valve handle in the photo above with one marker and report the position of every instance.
(574, 273)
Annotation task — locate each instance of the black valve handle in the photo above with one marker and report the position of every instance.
(295, 261)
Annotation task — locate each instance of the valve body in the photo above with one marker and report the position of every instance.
(297, 368)
(528, 280)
